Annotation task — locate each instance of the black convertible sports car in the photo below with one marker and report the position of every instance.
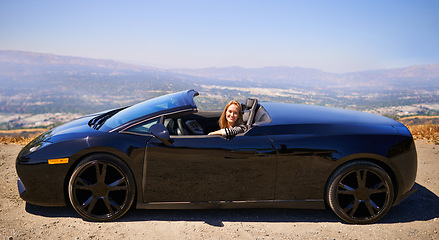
(157, 155)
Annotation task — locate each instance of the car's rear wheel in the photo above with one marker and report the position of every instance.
(101, 188)
(360, 192)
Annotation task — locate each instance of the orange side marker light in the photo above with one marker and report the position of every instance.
(59, 161)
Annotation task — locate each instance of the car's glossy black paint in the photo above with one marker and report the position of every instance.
(207, 168)
(284, 162)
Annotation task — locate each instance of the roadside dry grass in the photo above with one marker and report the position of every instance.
(15, 140)
(428, 132)
(20, 136)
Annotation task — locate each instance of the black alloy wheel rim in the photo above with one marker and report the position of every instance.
(100, 190)
(362, 194)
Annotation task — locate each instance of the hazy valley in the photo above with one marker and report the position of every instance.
(43, 89)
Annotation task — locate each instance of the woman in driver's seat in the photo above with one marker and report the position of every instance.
(231, 122)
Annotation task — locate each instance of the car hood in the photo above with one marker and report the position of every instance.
(285, 113)
(75, 129)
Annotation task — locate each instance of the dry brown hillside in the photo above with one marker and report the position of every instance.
(419, 120)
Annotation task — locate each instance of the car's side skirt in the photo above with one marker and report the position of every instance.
(299, 204)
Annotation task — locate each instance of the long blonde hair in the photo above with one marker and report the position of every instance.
(223, 121)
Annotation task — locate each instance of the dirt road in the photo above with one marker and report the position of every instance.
(415, 218)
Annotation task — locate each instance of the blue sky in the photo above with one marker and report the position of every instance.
(334, 36)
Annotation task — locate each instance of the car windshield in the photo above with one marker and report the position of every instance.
(148, 107)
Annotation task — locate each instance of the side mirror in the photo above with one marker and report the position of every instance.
(160, 132)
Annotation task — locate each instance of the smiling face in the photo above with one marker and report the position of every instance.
(232, 115)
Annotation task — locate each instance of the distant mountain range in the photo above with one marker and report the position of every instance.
(37, 83)
(415, 76)
(42, 59)
(18, 63)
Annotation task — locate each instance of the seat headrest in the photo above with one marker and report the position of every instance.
(245, 115)
(250, 103)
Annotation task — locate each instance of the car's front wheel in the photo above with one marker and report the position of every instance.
(360, 192)
(101, 188)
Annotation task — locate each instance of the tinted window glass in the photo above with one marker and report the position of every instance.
(143, 128)
(145, 108)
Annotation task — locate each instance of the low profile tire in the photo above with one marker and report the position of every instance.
(360, 192)
(101, 188)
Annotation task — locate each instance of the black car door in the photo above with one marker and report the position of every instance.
(209, 168)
